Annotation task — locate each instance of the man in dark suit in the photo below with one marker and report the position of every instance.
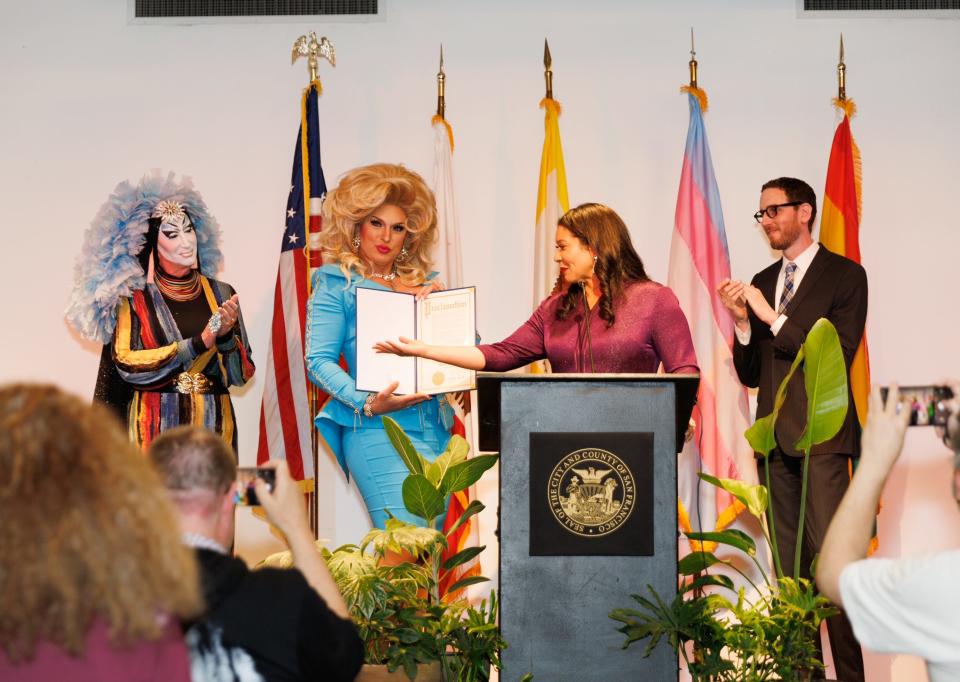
(773, 315)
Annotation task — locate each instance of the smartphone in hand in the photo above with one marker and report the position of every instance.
(928, 405)
(246, 494)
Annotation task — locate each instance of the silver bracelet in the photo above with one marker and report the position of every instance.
(215, 322)
(368, 405)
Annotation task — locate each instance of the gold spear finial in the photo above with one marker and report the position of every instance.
(693, 62)
(841, 75)
(547, 65)
(312, 49)
(441, 80)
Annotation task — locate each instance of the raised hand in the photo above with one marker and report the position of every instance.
(229, 313)
(731, 293)
(758, 304)
(429, 287)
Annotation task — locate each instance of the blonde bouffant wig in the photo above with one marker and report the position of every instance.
(86, 528)
(361, 192)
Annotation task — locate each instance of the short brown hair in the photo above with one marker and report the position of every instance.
(86, 528)
(192, 458)
(796, 190)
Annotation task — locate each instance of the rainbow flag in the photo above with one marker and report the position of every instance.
(699, 260)
(840, 229)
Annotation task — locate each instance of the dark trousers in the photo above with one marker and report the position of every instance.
(827, 480)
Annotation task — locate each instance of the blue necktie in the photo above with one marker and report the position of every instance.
(787, 286)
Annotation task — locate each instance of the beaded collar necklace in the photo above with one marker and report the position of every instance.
(177, 288)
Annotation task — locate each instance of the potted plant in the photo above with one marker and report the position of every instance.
(772, 634)
(411, 627)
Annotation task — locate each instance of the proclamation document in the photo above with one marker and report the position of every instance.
(445, 318)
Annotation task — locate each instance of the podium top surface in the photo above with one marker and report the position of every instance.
(488, 397)
(526, 376)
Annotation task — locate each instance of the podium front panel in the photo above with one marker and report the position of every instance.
(555, 606)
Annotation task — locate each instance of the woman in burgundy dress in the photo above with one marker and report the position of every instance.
(607, 317)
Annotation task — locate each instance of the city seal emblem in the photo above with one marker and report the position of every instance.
(591, 492)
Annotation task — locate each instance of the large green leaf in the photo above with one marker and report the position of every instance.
(462, 557)
(696, 562)
(421, 498)
(475, 507)
(753, 497)
(456, 452)
(731, 536)
(404, 447)
(761, 435)
(465, 474)
(466, 582)
(825, 380)
(458, 448)
(710, 580)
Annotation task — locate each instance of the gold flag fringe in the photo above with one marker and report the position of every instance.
(552, 104)
(440, 119)
(316, 84)
(699, 93)
(857, 177)
(848, 106)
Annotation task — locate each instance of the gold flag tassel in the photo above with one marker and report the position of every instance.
(692, 88)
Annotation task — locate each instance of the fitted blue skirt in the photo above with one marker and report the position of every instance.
(379, 472)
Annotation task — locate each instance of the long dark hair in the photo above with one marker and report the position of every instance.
(601, 229)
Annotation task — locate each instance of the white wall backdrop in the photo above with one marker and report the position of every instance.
(89, 99)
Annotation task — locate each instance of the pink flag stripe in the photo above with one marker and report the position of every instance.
(698, 229)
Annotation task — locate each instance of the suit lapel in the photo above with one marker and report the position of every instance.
(818, 266)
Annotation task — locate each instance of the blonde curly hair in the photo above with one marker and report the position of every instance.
(87, 531)
(362, 191)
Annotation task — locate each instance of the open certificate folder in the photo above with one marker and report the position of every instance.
(444, 318)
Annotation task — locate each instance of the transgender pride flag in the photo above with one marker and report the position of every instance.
(699, 260)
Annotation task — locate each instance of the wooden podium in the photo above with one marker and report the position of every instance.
(588, 515)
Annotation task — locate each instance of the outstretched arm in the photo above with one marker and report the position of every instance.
(848, 536)
(468, 357)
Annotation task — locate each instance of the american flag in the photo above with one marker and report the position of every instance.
(286, 412)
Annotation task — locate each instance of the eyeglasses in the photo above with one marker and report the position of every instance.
(773, 209)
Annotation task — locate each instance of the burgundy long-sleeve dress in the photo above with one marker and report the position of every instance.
(650, 328)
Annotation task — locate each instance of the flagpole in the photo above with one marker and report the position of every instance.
(547, 65)
(308, 46)
(441, 82)
(693, 62)
(841, 75)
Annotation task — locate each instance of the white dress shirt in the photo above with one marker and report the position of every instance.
(802, 262)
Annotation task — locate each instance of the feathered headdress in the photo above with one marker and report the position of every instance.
(109, 268)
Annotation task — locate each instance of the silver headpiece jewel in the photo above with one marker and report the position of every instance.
(169, 212)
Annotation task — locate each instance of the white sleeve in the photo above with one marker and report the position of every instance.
(742, 336)
(909, 605)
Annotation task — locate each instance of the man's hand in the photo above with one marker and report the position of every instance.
(884, 432)
(731, 295)
(285, 506)
(758, 304)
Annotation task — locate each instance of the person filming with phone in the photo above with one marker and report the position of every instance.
(907, 605)
(292, 623)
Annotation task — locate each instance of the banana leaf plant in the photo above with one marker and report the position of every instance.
(771, 635)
